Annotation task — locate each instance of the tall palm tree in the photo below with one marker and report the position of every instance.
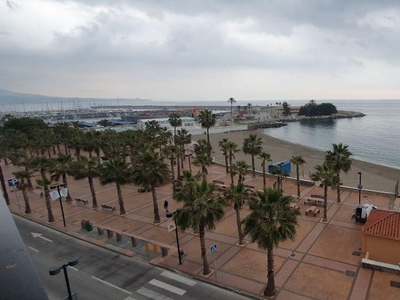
(116, 170)
(238, 194)
(204, 161)
(86, 168)
(297, 161)
(202, 147)
(151, 171)
(341, 161)
(171, 152)
(223, 145)
(327, 176)
(253, 146)
(201, 210)
(271, 222)
(183, 137)
(175, 121)
(23, 186)
(280, 173)
(207, 120)
(241, 168)
(264, 156)
(232, 149)
(42, 164)
(231, 101)
(61, 167)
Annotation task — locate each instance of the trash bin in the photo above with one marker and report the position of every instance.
(89, 226)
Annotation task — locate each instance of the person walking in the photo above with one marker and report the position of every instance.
(166, 205)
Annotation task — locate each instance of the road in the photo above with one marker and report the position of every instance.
(103, 274)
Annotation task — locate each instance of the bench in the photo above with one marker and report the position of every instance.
(294, 206)
(218, 181)
(317, 196)
(313, 202)
(249, 186)
(104, 206)
(312, 210)
(79, 200)
(144, 190)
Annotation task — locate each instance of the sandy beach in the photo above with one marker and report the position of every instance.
(374, 177)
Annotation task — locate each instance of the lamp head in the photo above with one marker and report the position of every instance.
(73, 262)
(169, 214)
(55, 270)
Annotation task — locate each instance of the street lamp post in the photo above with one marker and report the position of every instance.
(56, 270)
(170, 215)
(59, 195)
(359, 188)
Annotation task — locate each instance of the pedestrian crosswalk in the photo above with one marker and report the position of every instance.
(169, 286)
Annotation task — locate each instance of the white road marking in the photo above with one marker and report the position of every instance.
(152, 295)
(129, 298)
(114, 286)
(167, 287)
(36, 250)
(35, 235)
(73, 268)
(179, 278)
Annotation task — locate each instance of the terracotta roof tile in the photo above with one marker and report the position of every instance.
(383, 223)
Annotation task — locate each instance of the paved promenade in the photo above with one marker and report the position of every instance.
(323, 262)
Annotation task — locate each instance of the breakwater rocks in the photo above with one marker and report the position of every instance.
(279, 122)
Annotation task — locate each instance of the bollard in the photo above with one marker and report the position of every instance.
(164, 251)
(110, 233)
(147, 245)
(156, 249)
(119, 237)
(100, 230)
(135, 242)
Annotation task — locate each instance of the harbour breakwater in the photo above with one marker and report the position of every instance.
(282, 121)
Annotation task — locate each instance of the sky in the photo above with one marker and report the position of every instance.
(207, 50)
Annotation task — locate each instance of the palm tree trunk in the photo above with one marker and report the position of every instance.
(226, 164)
(178, 166)
(325, 203)
(253, 165)
(298, 180)
(204, 170)
(47, 196)
(264, 176)
(64, 177)
(120, 200)
(239, 224)
(49, 152)
(172, 169)
(338, 189)
(230, 168)
(3, 186)
(208, 136)
(157, 218)
(270, 288)
(206, 267)
(29, 180)
(26, 200)
(93, 192)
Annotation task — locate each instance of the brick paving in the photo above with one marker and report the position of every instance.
(318, 264)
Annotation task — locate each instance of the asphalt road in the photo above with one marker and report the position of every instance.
(103, 274)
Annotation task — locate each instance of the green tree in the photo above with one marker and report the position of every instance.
(223, 145)
(241, 168)
(326, 175)
(207, 120)
(203, 161)
(297, 161)
(339, 157)
(231, 101)
(175, 121)
(271, 222)
(202, 147)
(264, 156)
(23, 186)
(61, 167)
(232, 149)
(86, 168)
(24, 124)
(286, 109)
(253, 146)
(116, 170)
(104, 123)
(280, 173)
(151, 171)
(201, 210)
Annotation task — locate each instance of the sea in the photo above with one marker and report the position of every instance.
(374, 138)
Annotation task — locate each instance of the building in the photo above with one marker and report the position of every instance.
(164, 122)
(381, 237)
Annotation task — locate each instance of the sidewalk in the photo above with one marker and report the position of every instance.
(323, 262)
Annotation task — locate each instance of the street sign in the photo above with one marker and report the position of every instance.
(64, 192)
(171, 225)
(13, 183)
(213, 248)
(54, 195)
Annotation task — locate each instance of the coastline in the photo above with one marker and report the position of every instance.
(374, 177)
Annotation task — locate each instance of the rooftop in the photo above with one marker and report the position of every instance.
(383, 223)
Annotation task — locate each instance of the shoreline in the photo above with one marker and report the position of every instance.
(374, 176)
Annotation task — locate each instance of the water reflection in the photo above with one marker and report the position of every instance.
(318, 124)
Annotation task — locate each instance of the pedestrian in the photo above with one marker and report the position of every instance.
(166, 205)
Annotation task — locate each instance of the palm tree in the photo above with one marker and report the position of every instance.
(202, 147)
(280, 173)
(327, 176)
(86, 168)
(151, 171)
(23, 186)
(232, 149)
(204, 161)
(175, 121)
(61, 167)
(207, 120)
(297, 161)
(116, 170)
(231, 101)
(264, 156)
(340, 159)
(271, 222)
(238, 194)
(253, 146)
(223, 145)
(201, 210)
(241, 168)
(171, 152)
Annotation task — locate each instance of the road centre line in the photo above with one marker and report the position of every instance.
(36, 250)
(151, 294)
(167, 287)
(73, 268)
(179, 278)
(114, 286)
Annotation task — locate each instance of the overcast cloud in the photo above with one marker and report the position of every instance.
(202, 50)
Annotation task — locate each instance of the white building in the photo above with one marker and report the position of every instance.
(164, 122)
